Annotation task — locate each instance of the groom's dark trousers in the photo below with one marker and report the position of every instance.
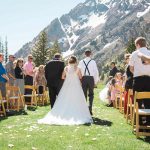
(88, 89)
(53, 74)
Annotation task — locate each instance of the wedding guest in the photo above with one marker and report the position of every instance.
(3, 77)
(39, 79)
(113, 70)
(19, 75)
(115, 82)
(90, 77)
(29, 74)
(141, 72)
(29, 71)
(10, 70)
(129, 81)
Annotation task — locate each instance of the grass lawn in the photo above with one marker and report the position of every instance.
(109, 132)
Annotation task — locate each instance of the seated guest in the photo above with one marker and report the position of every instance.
(129, 80)
(19, 75)
(117, 81)
(3, 77)
(39, 79)
(141, 72)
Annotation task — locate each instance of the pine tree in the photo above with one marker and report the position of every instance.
(131, 46)
(0, 45)
(55, 49)
(6, 50)
(2, 48)
(40, 50)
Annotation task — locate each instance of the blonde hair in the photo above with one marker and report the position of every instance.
(41, 67)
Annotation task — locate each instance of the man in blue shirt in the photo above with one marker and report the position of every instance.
(3, 77)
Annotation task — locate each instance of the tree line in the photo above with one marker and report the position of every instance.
(4, 48)
(42, 52)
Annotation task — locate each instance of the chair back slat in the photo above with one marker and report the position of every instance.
(30, 87)
(142, 95)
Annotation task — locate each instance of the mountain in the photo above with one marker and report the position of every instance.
(104, 25)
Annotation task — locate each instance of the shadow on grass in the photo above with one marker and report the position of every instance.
(146, 139)
(100, 122)
(3, 118)
(32, 108)
(15, 113)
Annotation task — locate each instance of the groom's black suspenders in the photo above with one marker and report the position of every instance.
(86, 67)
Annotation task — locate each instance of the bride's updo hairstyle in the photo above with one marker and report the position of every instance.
(72, 60)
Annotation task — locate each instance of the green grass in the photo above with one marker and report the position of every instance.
(110, 132)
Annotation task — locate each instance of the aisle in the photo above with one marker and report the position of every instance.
(109, 132)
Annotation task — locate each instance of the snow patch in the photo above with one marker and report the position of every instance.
(67, 54)
(140, 14)
(95, 20)
(90, 3)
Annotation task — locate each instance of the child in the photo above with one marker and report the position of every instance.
(117, 81)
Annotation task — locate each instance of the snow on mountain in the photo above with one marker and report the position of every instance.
(95, 20)
(103, 25)
(140, 14)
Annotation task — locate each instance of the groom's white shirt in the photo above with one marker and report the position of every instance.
(92, 69)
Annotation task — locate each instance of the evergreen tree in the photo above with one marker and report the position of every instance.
(0, 45)
(6, 50)
(55, 49)
(2, 48)
(40, 50)
(131, 46)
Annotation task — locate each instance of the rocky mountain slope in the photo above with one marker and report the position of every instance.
(104, 25)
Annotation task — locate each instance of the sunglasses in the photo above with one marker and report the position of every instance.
(31, 58)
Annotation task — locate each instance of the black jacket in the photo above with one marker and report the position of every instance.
(53, 72)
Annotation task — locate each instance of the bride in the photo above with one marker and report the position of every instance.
(70, 107)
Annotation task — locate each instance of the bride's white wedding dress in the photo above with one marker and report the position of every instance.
(70, 107)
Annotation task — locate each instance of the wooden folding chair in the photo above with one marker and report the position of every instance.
(32, 97)
(14, 98)
(130, 106)
(2, 108)
(119, 100)
(139, 96)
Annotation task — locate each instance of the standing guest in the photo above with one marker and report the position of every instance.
(39, 79)
(10, 70)
(141, 72)
(112, 74)
(19, 75)
(29, 74)
(3, 77)
(53, 73)
(129, 80)
(90, 77)
(113, 70)
(29, 71)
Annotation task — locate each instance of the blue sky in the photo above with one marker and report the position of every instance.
(22, 20)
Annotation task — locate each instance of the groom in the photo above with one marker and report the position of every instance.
(53, 74)
(90, 77)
